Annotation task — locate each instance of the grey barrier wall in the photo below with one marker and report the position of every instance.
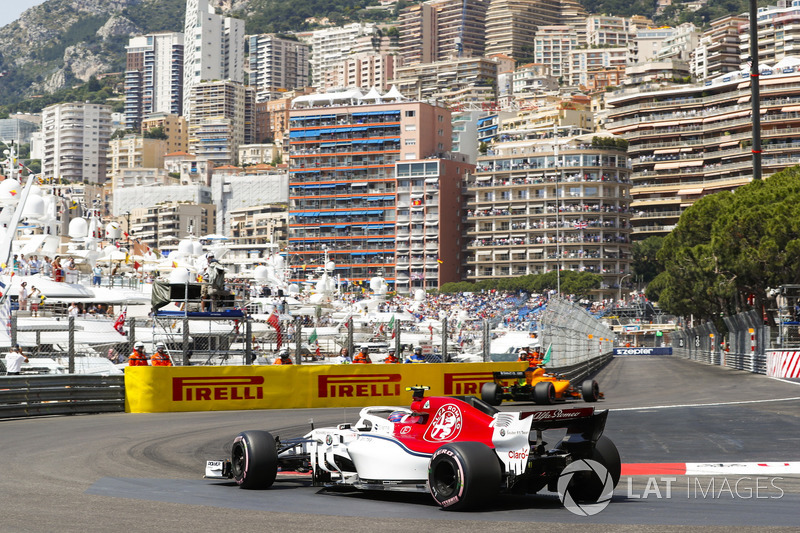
(60, 395)
(744, 348)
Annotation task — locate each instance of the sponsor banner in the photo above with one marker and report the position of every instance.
(219, 388)
(642, 351)
(783, 364)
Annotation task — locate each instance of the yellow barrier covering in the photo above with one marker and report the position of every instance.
(219, 388)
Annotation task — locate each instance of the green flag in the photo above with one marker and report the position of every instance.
(313, 337)
(391, 323)
(547, 354)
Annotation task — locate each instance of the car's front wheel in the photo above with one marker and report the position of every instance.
(590, 391)
(492, 394)
(254, 459)
(464, 475)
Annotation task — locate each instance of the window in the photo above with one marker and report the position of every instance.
(410, 142)
(410, 113)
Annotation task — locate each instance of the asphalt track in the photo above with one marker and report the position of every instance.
(143, 472)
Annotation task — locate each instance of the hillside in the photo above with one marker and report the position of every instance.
(61, 43)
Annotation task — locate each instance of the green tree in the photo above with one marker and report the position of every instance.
(156, 133)
(644, 255)
(728, 249)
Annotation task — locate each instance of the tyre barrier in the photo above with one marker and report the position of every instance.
(22, 396)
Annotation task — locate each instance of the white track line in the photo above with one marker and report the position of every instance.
(704, 404)
(782, 380)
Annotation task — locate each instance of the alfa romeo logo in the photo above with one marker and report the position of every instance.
(585, 509)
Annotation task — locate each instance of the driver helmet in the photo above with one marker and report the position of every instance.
(139, 345)
(396, 416)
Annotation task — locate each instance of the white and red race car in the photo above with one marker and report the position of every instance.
(460, 449)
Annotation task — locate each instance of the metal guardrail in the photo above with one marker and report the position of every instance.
(22, 396)
(585, 369)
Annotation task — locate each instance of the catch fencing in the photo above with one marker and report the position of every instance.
(572, 334)
(744, 349)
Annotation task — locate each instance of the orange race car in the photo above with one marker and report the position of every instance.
(537, 385)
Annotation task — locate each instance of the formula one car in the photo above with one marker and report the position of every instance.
(459, 449)
(536, 385)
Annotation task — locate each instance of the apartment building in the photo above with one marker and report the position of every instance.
(255, 232)
(511, 25)
(584, 61)
(778, 33)
(153, 77)
(687, 142)
(680, 44)
(366, 70)
(717, 53)
(163, 225)
(134, 151)
(440, 30)
(602, 30)
(552, 45)
(76, 137)
(173, 126)
(277, 63)
(216, 52)
(443, 79)
(361, 173)
(417, 28)
(331, 46)
(223, 119)
(535, 206)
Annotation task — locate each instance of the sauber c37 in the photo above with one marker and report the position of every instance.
(459, 449)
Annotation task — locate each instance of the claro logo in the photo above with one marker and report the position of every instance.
(465, 383)
(218, 388)
(364, 385)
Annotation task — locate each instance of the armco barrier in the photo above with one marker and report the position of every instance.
(60, 395)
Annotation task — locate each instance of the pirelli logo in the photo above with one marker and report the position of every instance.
(217, 388)
(465, 383)
(364, 385)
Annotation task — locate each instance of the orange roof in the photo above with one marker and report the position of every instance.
(227, 167)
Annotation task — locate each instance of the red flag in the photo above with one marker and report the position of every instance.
(317, 351)
(136, 265)
(120, 322)
(275, 322)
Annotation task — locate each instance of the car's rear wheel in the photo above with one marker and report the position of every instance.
(544, 393)
(590, 391)
(587, 486)
(464, 475)
(254, 459)
(492, 394)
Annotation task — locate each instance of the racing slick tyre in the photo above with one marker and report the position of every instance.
(464, 475)
(587, 486)
(544, 393)
(492, 394)
(590, 391)
(254, 459)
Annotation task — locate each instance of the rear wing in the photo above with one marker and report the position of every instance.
(509, 374)
(583, 423)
